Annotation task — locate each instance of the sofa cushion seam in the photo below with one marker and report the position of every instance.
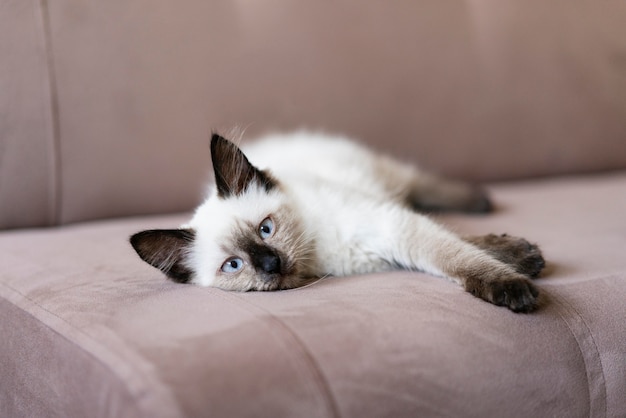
(55, 182)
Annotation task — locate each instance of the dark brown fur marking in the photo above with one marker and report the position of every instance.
(233, 171)
(524, 257)
(260, 254)
(514, 291)
(165, 249)
(436, 194)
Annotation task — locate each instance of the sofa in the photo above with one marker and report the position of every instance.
(106, 110)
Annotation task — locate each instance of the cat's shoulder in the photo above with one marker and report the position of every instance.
(303, 138)
(304, 142)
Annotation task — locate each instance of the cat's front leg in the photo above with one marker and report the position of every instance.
(424, 245)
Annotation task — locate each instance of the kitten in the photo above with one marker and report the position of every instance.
(314, 205)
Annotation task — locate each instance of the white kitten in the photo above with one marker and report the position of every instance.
(307, 205)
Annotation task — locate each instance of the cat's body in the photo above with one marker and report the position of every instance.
(304, 206)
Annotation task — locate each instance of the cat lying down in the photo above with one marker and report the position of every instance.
(305, 206)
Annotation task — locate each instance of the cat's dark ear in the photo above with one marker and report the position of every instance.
(167, 250)
(233, 172)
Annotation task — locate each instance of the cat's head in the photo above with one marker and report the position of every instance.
(248, 235)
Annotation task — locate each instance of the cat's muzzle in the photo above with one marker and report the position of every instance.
(270, 263)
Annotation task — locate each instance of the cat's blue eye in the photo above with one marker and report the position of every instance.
(232, 265)
(266, 229)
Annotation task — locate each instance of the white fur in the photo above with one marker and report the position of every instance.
(213, 221)
(347, 198)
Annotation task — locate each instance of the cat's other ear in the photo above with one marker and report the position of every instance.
(167, 250)
(233, 172)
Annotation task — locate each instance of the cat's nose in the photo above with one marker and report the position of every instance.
(270, 263)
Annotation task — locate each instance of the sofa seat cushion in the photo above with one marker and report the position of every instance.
(90, 330)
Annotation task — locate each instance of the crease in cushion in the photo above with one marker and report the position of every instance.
(396, 344)
(589, 352)
(252, 365)
(139, 371)
(307, 358)
(36, 262)
(602, 337)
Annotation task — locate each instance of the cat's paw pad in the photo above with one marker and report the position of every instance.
(526, 258)
(518, 293)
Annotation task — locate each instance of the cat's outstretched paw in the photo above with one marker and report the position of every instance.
(516, 293)
(524, 257)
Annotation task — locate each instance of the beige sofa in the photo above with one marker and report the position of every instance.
(105, 114)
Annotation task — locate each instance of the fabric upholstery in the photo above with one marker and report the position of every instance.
(106, 109)
(87, 326)
(132, 89)
(27, 149)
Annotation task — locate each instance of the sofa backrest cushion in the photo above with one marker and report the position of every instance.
(107, 107)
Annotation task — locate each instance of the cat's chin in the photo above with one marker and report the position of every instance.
(282, 283)
(267, 287)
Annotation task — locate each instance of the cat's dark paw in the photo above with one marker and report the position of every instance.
(524, 257)
(516, 293)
